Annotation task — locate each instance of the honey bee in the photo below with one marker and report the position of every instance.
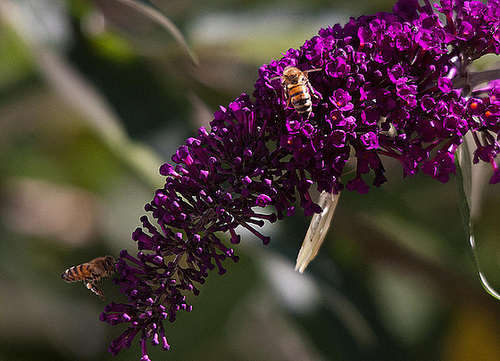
(298, 90)
(91, 272)
(317, 231)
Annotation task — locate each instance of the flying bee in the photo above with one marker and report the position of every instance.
(91, 272)
(298, 91)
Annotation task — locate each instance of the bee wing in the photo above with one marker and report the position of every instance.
(317, 230)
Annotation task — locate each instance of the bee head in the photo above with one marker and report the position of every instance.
(292, 74)
(110, 262)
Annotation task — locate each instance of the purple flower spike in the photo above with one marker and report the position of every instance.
(394, 85)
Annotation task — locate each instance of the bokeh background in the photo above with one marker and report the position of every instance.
(94, 97)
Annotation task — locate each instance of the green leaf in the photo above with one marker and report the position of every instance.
(147, 8)
(464, 177)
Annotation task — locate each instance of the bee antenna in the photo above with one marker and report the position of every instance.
(312, 70)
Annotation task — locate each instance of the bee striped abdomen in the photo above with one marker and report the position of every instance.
(77, 273)
(300, 99)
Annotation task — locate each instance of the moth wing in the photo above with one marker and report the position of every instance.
(317, 231)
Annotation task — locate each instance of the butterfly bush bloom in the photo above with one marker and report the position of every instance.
(391, 84)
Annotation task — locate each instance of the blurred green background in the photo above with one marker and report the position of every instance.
(94, 97)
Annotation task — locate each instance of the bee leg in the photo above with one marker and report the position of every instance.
(92, 285)
(280, 111)
(288, 101)
(313, 92)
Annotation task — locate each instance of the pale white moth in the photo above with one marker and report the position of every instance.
(320, 223)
